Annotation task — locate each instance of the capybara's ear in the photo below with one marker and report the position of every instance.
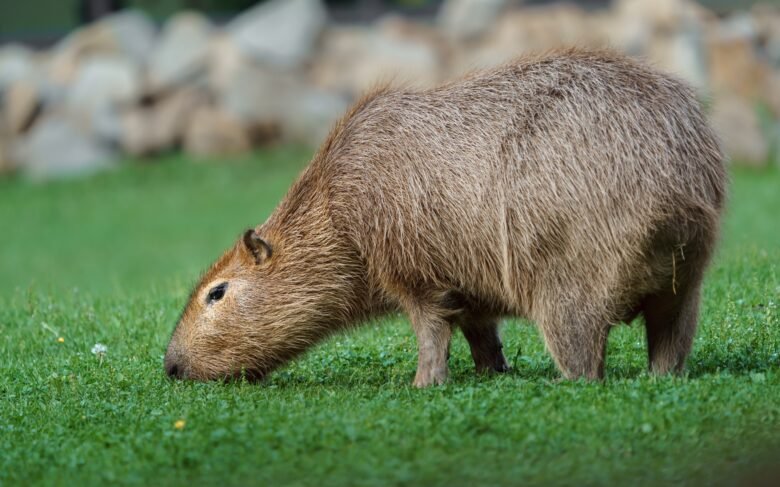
(259, 248)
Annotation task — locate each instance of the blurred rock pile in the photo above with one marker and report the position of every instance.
(122, 87)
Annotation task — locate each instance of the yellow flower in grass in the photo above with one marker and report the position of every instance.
(179, 425)
(61, 340)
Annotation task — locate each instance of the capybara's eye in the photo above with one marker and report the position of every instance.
(216, 293)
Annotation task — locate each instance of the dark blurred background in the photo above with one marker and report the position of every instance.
(43, 21)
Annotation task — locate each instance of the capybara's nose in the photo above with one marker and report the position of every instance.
(174, 366)
(173, 371)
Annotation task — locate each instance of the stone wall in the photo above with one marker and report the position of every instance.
(123, 88)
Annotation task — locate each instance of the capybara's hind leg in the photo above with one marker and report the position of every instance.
(578, 345)
(485, 343)
(433, 331)
(670, 321)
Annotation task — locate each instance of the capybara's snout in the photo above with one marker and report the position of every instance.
(174, 362)
(173, 370)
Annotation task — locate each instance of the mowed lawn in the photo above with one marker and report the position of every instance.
(110, 260)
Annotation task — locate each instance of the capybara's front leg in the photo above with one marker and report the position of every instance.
(433, 340)
(577, 344)
(485, 344)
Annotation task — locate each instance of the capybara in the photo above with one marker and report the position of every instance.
(577, 189)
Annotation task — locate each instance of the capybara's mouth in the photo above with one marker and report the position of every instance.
(252, 376)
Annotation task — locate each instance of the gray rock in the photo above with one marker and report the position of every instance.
(149, 130)
(134, 33)
(182, 52)
(355, 59)
(270, 101)
(739, 127)
(627, 31)
(468, 19)
(636, 23)
(532, 29)
(7, 162)
(735, 68)
(225, 60)
(766, 20)
(738, 26)
(252, 92)
(57, 148)
(310, 116)
(683, 54)
(772, 92)
(212, 133)
(17, 63)
(280, 32)
(21, 101)
(669, 33)
(127, 34)
(257, 95)
(102, 86)
(773, 48)
(665, 15)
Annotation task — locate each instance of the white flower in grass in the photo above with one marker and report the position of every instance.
(99, 349)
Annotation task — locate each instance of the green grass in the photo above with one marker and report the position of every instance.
(110, 259)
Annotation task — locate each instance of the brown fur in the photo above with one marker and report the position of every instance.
(577, 189)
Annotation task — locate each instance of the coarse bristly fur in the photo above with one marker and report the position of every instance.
(577, 189)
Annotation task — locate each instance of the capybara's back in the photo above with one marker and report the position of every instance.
(578, 189)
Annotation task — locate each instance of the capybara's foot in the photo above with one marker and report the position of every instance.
(490, 362)
(588, 366)
(670, 320)
(578, 346)
(430, 376)
(486, 348)
(433, 342)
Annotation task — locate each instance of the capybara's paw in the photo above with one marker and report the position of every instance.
(501, 366)
(495, 363)
(426, 377)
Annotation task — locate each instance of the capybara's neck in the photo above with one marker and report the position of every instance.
(325, 269)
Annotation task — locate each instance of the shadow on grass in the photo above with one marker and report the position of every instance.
(373, 372)
(357, 362)
(388, 377)
(738, 364)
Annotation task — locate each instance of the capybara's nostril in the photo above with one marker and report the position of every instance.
(172, 370)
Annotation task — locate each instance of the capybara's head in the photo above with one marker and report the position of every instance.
(247, 315)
